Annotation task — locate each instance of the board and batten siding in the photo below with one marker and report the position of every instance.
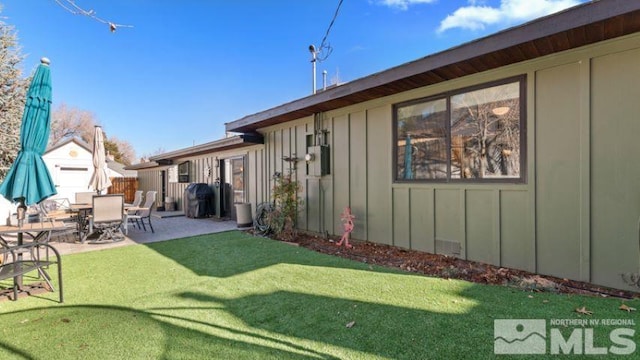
(559, 171)
(587, 194)
(149, 179)
(256, 190)
(438, 218)
(615, 189)
(576, 215)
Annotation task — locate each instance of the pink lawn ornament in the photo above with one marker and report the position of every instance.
(347, 219)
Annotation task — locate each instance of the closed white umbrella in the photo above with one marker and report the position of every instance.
(100, 179)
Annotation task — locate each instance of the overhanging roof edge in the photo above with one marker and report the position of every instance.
(580, 15)
(221, 144)
(144, 165)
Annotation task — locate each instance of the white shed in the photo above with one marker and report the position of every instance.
(71, 166)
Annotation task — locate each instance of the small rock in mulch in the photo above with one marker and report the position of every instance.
(535, 283)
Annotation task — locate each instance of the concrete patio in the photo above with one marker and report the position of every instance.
(167, 226)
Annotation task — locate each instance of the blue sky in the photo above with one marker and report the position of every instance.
(186, 67)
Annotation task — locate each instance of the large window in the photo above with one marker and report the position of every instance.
(470, 135)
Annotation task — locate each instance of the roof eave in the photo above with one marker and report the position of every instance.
(75, 140)
(140, 166)
(229, 143)
(412, 75)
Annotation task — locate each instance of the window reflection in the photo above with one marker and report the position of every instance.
(234, 177)
(485, 133)
(422, 141)
(469, 135)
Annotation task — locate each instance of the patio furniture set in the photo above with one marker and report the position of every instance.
(106, 216)
(20, 258)
(97, 218)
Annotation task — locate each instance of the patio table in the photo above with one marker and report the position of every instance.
(84, 209)
(40, 228)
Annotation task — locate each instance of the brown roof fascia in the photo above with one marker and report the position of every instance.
(229, 143)
(140, 166)
(578, 26)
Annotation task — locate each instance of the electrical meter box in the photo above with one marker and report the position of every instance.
(319, 165)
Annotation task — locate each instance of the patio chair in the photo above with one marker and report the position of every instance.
(55, 206)
(84, 197)
(21, 265)
(59, 210)
(39, 214)
(11, 239)
(137, 203)
(107, 217)
(137, 199)
(145, 213)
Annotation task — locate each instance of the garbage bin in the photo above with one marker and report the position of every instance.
(243, 215)
(169, 203)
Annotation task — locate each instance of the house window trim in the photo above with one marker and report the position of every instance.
(521, 79)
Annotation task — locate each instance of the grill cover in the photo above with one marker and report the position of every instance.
(198, 201)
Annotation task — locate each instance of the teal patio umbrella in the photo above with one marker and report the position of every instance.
(28, 181)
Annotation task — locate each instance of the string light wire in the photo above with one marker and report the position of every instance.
(73, 8)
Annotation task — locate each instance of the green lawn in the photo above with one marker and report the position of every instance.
(233, 296)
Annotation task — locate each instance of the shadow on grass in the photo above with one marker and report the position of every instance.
(19, 353)
(376, 329)
(299, 314)
(94, 331)
(382, 330)
(232, 253)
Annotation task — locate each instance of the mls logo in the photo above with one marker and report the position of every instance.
(519, 336)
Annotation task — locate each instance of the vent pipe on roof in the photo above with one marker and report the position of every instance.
(324, 80)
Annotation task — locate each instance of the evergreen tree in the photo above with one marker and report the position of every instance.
(13, 90)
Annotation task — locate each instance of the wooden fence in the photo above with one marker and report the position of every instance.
(124, 185)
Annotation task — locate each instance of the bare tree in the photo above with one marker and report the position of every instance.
(157, 151)
(125, 153)
(68, 122)
(13, 89)
(145, 157)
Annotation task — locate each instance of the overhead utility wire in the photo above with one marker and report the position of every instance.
(77, 10)
(324, 45)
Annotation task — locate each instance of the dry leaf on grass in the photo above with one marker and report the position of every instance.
(626, 308)
(583, 310)
(350, 325)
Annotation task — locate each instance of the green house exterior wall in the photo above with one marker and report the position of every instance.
(256, 186)
(615, 194)
(576, 216)
(558, 177)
